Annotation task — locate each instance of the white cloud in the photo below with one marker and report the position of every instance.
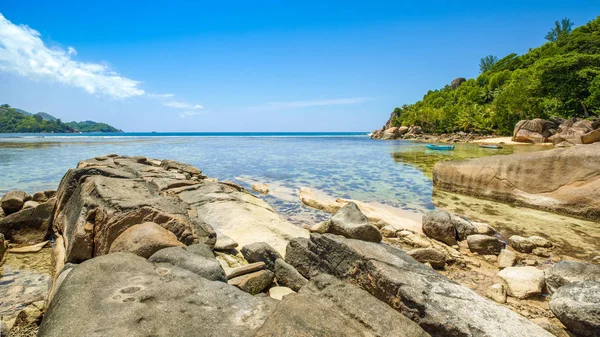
(309, 103)
(188, 114)
(23, 52)
(182, 105)
(160, 95)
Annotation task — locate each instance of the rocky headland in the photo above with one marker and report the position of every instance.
(141, 246)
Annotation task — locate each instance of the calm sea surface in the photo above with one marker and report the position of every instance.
(348, 165)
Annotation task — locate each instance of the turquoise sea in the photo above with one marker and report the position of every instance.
(348, 165)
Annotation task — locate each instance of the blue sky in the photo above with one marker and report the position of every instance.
(254, 65)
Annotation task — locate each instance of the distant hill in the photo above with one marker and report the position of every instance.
(14, 120)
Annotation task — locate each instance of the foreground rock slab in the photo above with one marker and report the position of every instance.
(440, 306)
(565, 180)
(329, 307)
(122, 294)
(577, 306)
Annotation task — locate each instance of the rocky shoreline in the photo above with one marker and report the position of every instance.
(154, 247)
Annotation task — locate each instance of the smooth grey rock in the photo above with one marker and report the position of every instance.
(201, 249)
(288, 276)
(208, 268)
(261, 252)
(30, 204)
(463, 227)
(438, 225)
(432, 256)
(224, 242)
(484, 244)
(350, 222)
(144, 240)
(565, 272)
(329, 307)
(440, 306)
(577, 306)
(123, 295)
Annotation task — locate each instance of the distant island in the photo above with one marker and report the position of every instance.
(558, 79)
(13, 120)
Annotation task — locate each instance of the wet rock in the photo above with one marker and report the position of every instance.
(261, 188)
(278, 293)
(29, 226)
(350, 222)
(329, 307)
(131, 295)
(522, 282)
(440, 306)
(577, 306)
(506, 258)
(521, 244)
(288, 276)
(253, 283)
(497, 292)
(261, 252)
(434, 257)
(43, 196)
(484, 244)
(12, 201)
(144, 240)
(438, 225)
(565, 272)
(208, 268)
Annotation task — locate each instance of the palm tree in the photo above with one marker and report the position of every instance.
(487, 62)
(561, 28)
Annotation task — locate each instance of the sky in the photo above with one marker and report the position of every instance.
(254, 66)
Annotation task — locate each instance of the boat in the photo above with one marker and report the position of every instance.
(491, 146)
(440, 147)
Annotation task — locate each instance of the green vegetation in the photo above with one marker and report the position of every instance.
(14, 120)
(559, 78)
(89, 126)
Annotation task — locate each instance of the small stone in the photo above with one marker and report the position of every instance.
(247, 269)
(253, 283)
(261, 188)
(530, 262)
(435, 258)
(224, 242)
(483, 228)
(278, 293)
(30, 204)
(523, 282)
(542, 252)
(540, 241)
(484, 244)
(521, 244)
(490, 258)
(413, 239)
(288, 276)
(506, 258)
(43, 196)
(388, 231)
(497, 292)
(261, 251)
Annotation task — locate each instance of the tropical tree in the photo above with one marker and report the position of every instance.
(561, 28)
(487, 62)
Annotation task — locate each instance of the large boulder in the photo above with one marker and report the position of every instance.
(532, 131)
(329, 307)
(122, 294)
(350, 222)
(565, 272)
(457, 82)
(522, 282)
(207, 267)
(573, 132)
(440, 306)
(577, 306)
(12, 201)
(438, 225)
(101, 199)
(144, 240)
(562, 180)
(29, 226)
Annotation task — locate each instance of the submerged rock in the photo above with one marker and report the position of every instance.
(565, 272)
(329, 307)
(131, 295)
(577, 306)
(440, 306)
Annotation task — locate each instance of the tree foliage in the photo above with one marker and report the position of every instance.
(559, 78)
(561, 28)
(487, 62)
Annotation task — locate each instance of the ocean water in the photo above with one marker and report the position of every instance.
(348, 165)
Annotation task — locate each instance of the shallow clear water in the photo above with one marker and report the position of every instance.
(349, 165)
